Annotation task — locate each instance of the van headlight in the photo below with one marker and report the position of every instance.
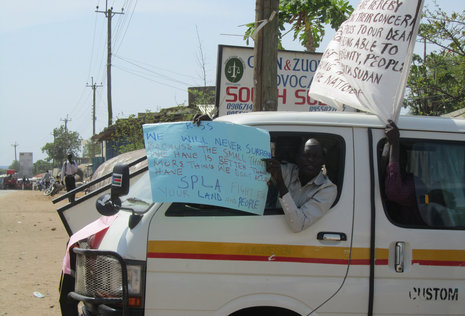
(136, 276)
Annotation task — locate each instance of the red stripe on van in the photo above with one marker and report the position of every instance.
(378, 262)
(155, 255)
(439, 263)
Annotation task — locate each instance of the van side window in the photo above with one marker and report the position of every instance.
(433, 180)
(284, 146)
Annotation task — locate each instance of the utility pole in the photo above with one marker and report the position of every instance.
(266, 55)
(15, 145)
(424, 49)
(109, 13)
(94, 87)
(66, 120)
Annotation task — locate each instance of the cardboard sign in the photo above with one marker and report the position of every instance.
(366, 64)
(216, 163)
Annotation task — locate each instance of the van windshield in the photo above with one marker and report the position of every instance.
(139, 197)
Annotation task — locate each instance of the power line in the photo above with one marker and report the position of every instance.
(161, 76)
(78, 105)
(127, 25)
(144, 77)
(157, 73)
(93, 46)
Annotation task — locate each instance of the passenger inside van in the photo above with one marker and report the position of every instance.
(305, 191)
(400, 186)
(423, 186)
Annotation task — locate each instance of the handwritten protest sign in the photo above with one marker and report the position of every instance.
(216, 163)
(367, 62)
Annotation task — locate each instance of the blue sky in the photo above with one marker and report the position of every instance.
(50, 50)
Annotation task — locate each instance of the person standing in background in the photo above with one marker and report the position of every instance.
(68, 171)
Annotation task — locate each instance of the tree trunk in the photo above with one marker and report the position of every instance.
(309, 40)
(265, 57)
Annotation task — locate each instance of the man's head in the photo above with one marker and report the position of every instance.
(310, 160)
(70, 156)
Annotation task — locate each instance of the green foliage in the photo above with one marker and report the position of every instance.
(128, 134)
(201, 96)
(445, 31)
(436, 83)
(40, 166)
(14, 165)
(65, 142)
(91, 149)
(308, 19)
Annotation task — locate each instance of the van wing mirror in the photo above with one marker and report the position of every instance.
(119, 181)
(110, 204)
(107, 206)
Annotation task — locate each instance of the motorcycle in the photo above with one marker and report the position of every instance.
(54, 187)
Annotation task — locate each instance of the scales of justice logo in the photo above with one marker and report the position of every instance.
(234, 69)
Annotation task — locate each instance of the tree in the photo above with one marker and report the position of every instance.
(308, 19)
(128, 135)
(91, 149)
(436, 83)
(14, 165)
(40, 166)
(65, 142)
(202, 98)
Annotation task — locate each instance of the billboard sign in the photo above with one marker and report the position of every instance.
(295, 75)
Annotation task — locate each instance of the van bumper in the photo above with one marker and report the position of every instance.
(100, 310)
(89, 309)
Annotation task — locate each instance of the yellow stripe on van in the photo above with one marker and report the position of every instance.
(438, 257)
(172, 249)
(256, 252)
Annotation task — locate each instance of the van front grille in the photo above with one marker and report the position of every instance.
(100, 274)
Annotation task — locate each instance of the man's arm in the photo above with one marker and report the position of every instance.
(299, 218)
(393, 137)
(397, 188)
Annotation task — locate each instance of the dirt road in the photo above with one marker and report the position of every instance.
(32, 245)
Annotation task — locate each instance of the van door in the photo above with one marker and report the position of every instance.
(420, 263)
(217, 261)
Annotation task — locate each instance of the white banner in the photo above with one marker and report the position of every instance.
(366, 64)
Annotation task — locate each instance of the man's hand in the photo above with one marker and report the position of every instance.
(273, 166)
(392, 133)
(393, 137)
(199, 117)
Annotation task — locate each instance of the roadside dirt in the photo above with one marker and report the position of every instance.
(32, 245)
